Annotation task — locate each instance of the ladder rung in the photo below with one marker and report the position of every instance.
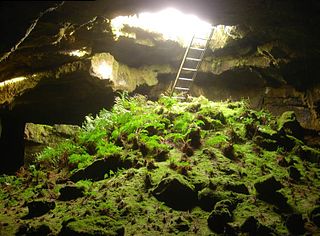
(179, 97)
(181, 88)
(201, 38)
(193, 59)
(189, 69)
(185, 79)
(199, 49)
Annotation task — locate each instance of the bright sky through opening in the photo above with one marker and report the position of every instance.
(170, 23)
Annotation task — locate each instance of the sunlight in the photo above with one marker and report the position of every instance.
(170, 23)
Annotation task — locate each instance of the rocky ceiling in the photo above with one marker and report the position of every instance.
(271, 56)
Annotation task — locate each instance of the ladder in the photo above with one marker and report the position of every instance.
(190, 64)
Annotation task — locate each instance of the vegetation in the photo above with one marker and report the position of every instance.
(169, 167)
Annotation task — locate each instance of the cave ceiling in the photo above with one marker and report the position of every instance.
(271, 44)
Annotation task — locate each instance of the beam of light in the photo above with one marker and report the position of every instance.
(170, 23)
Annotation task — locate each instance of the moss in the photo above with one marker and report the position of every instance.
(138, 144)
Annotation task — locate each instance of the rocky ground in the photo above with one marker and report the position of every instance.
(170, 168)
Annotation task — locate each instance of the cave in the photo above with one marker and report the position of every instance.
(65, 65)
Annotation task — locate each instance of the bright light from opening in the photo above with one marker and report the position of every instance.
(102, 66)
(104, 70)
(170, 23)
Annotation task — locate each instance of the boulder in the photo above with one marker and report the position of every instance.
(218, 220)
(294, 173)
(267, 185)
(39, 208)
(267, 191)
(237, 188)
(68, 193)
(208, 198)
(176, 192)
(38, 230)
(295, 224)
(289, 124)
(97, 170)
(253, 227)
(315, 216)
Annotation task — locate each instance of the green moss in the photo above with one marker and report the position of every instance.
(149, 141)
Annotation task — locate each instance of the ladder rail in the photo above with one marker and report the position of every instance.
(202, 55)
(195, 70)
(181, 66)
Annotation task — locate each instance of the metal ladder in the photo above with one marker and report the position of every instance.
(190, 64)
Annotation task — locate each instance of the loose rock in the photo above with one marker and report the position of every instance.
(176, 192)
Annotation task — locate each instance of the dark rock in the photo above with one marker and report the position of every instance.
(250, 225)
(289, 124)
(230, 230)
(267, 185)
(70, 192)
(39, 208)
(315, 216)
(97, 170)
(187, 149)
(208, 198)
(264, 231)
(228, 151)
(308, 154)
(267, 144)
(218, 220)
(267, 191)
(195, 138)
(237, 188)
(277, 199)
(40, 230)
(294, 173)
(176, 192)
(295, 224)
(92, 226)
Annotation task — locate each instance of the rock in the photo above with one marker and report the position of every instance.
(315, 216)
(68, 193)
(39, 230)
(308, 154)
(97, 170)
(267, 144)
(294, 173)
(218, 220)
(195, 138)
(176, 192)
(208, 198)
(267, 185)
(289, 124)
(267, 191)
(93, 226)
(237, 188)
(295, 224)
(252, 226)
(39, 208)
(228, 151)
